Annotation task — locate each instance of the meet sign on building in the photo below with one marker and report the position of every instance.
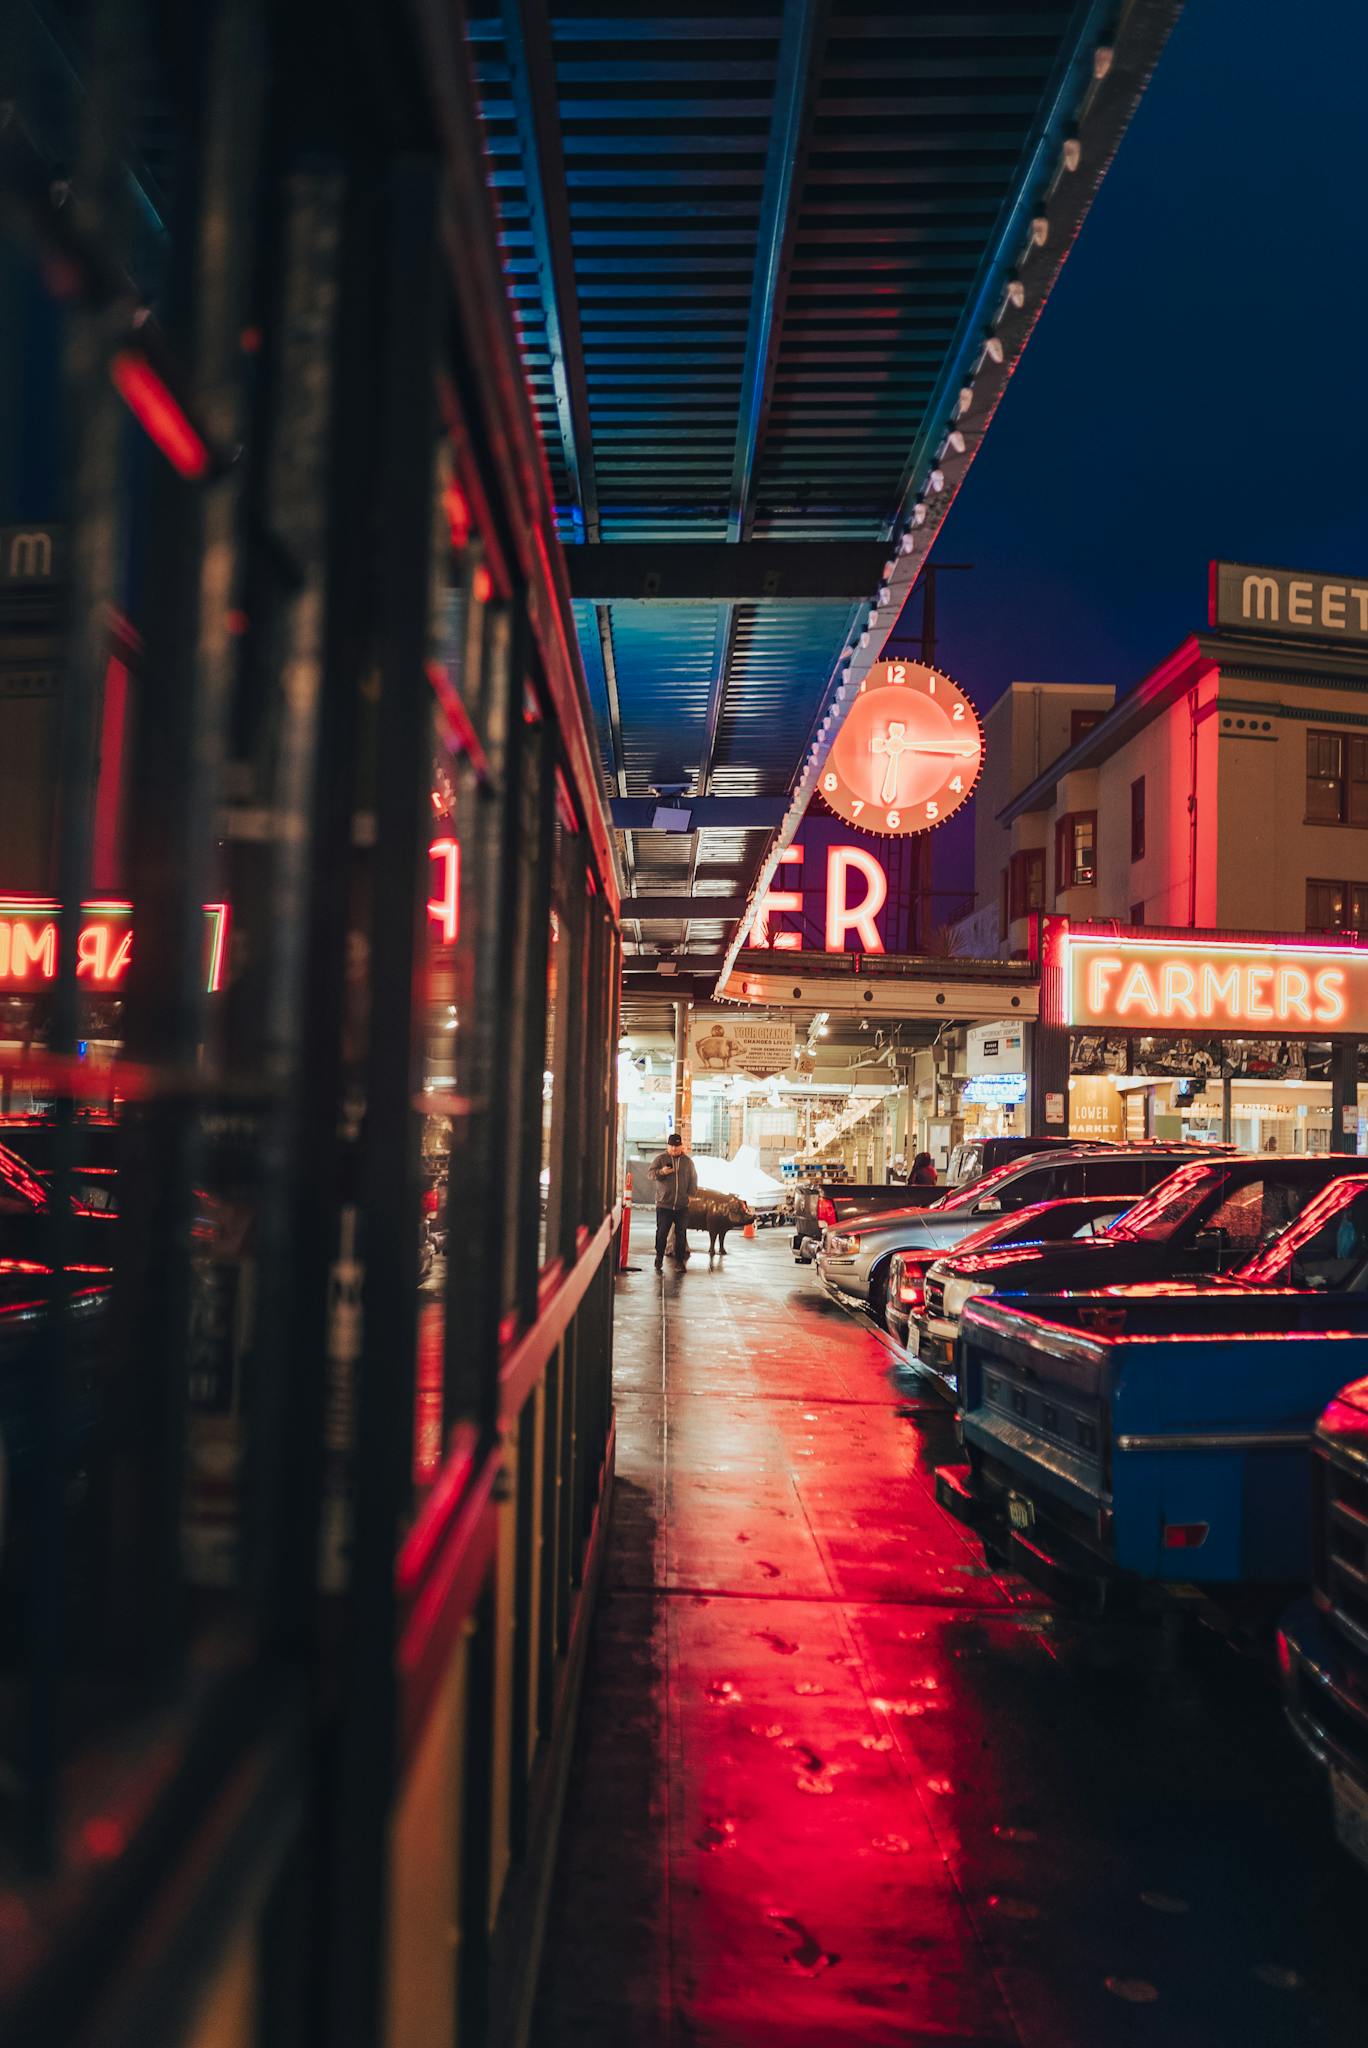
(1289, 602)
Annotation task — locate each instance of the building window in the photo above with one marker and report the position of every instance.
(1137, 913)
(1138, 818)
(1004, 905)
(1076, 851)
(1026, 891)
(1336, 779)
(1336, 906)
(1081, 723)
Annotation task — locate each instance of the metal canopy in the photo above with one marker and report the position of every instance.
(771, 271)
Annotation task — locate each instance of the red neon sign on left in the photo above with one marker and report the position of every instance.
(444, 905)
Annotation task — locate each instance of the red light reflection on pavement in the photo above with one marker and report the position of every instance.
(839, 1783)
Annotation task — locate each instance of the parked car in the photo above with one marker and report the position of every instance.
(819, 1204)
(1145, 1442)
(1210, 1216)
(1323, 1640)
(1042, 1223)
(974, 1157)
(854, 1260)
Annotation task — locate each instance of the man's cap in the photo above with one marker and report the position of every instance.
(674, 1139)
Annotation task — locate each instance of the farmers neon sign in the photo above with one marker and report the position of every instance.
(104, 943)
(1151, 984)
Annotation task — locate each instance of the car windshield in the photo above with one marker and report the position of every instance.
(1327, 1245)
(1158, 1216)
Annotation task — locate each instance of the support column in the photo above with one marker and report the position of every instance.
(683, 1090)
(1048, 1052)
(1343, 1094)
(1227, 1107)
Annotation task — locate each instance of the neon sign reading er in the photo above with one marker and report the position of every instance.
(1147, 984)
(851, 872)
(104, 943)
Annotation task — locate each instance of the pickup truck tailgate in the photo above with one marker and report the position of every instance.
(1033, 1395)
(1170, 1435)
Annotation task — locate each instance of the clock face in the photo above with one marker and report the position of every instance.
(908, 752)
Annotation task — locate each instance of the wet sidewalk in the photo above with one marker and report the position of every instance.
(837, 1782)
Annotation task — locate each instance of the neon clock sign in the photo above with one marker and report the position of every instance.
(908, 753)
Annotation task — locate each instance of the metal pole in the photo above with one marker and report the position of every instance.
(682, 1091)
(928, 626)
(928, 644)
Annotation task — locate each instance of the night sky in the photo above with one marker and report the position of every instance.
(1195, 386)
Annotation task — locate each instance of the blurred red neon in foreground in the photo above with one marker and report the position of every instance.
(160, 414)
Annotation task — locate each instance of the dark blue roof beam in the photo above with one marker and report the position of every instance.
(801, 41)
(705, 814)
(702, 572)
(532, 77)
(672, 908)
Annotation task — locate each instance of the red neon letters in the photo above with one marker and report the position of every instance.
(841, 915)
(444, 907)
(104, 943)
(1140, 983)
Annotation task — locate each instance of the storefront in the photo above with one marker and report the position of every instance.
(992, 1098)
(1213, 1037)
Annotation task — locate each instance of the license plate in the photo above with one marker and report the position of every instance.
(1351, 1815)
(1020, 1513)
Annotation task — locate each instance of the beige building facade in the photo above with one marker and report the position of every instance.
(1228, 792)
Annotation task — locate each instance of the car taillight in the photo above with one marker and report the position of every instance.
(826, 1209)
(1185, 1535)
(910, 1292)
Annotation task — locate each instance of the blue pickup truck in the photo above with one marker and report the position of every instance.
(1139, 1443)
(1323, 1640)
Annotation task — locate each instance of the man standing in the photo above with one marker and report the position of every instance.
(676, 1179)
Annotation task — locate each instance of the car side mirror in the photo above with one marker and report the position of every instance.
(989, 1206)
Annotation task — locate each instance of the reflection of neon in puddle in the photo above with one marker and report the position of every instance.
(722, 1693)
